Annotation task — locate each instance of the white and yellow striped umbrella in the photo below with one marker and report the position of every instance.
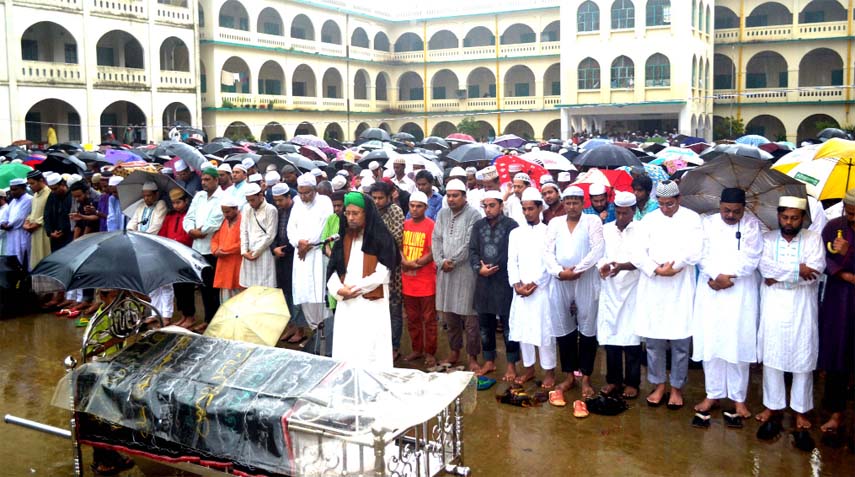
(826, 169)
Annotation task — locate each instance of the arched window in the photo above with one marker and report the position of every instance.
(589, 74)
(623, 14)
(657, 71)
(658, 12)
(588, 17)
(623, 73)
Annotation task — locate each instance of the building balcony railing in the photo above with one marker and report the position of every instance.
(367, 54)
(76, 5)
(174, 14)
(361, 105)
(120, 8)
(117, 76)
(804, 31)
(46, 72)
(311, 103)
(762, 96)
(176, 80)
(333, 104)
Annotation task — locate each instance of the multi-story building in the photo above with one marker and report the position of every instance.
(784, 67)
(89, 66)
(543, 68)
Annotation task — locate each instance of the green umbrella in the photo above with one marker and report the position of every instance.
(12, 171)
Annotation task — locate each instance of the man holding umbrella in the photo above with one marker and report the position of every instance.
(57, 209)
(187, 178)
(203, 219)
(148, 219)
(727, 305)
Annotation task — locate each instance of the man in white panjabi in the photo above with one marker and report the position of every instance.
(788, 337)
(258, 226)
(727, 306)
(574, 245)
(513, 197)
(531, 310)
(305, 226)
(670, 242)
(617, 305)
(148, 218)
(359, 272)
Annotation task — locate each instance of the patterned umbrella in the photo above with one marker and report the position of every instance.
(534, 171)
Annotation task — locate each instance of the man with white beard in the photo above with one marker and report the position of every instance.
(726, 307)
(670, 243)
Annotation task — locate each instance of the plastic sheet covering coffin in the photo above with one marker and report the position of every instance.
(255, 407)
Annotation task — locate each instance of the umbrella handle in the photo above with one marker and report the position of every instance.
(830, 246)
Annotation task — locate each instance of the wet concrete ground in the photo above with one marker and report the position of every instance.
(499, 439)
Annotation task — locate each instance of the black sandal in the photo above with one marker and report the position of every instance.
(732, 419)
(769, 430)
(665, 398)
(701, 420)
(803, 441)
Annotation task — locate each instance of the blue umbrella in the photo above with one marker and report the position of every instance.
(593, 144)
(753, 140)
(511, 141)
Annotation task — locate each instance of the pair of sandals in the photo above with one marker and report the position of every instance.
(665, 398)
(732, 419)
(580, 409)
(771, 429)
(68, 313)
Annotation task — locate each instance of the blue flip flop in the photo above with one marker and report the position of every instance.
(485, 383)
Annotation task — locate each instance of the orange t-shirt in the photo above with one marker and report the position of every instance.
(417, 241)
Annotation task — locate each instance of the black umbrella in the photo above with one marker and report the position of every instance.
(61, 163)
(744, 150)
(91, 156)
(655, 147)
(189, 154)
(14, 152)
(244, 155)
(375, 134)
(403, 136)
(380, 155)
(122, 260)
(131, 193)
(285, 148)
(213, 147)
(435, 143)
(607, 156)
(113, 143)
(475, 152)
(67, 147)
(281, 160)
(829, 133)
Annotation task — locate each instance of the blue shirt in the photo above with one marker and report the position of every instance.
(433, 206)
(610, 208)
(115, 217)
(652, 204)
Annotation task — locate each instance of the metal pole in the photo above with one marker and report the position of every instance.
(37, 426)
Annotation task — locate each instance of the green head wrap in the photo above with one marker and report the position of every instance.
(355, 198)
(211, 172)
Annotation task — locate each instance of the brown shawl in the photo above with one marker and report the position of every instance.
(369, 266)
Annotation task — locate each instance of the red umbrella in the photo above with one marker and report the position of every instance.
(460, 137)
(33, 162)
(534, 171)
(313, 153)
(614, 180)
(699, 147)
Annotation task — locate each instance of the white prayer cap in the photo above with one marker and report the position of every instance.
(251, 189)
(390, 173)
(270, 167)
(365, 173)
(17, 182)
(455, 184)
(490, 173)
(206, 165)
(514, 168)
(73, 178)
(272, 177)
(457, 172)
(419, 196)
(564, 177)
(597, 189)
(531, 194)
(149, 186)
(494, 194)
(225, 168)
(115, 180)
(667, 189)
(229, 201)
(343, 173)
(307, 179)
(471, 171)
(546, 179)
(248, 163)
(338, 182)
(624, 199)
(791, 202)
(239, 167)
(522, 176)
(281, 189)
(399, 160)
(53, 179)
(374, 165)
(573, 191)
(550, 184)
(479, 176)
(2, 192)
(366, 184)
(180, 165)
(255, 178)
(316, 172)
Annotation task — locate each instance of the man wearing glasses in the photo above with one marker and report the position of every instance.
(670, 245)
